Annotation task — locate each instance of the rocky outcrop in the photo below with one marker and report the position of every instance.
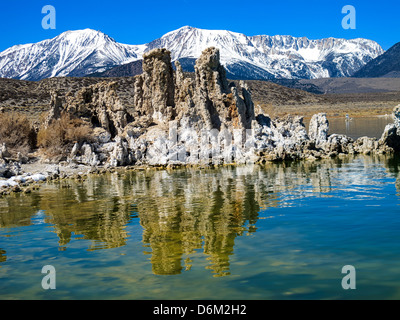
(391, 136)
(176, 120)
(171, 111)
(217, 102)
(10, 169)
(155, 88)
(4, 151)
(319, 129)
(98, 104)
(205, 120)
(55, 108)
(396, 115)
(162, 95)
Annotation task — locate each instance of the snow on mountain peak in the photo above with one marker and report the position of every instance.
(81, 52)
(277, 56)
(72, 53)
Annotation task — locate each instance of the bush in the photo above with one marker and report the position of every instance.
(17, 133)
(57, 139)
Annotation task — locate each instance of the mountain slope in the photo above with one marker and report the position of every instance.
(130, 69)
(278, 56)
(84, 52)
(386, 65)
(72, 53)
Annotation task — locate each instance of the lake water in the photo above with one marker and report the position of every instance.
(358, 127)
(281, 231)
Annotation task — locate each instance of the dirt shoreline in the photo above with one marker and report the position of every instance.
(354, 110)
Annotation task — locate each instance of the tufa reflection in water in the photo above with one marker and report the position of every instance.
(3, 256)
(181, 212)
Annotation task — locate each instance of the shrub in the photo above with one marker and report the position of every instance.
(57, 139)
(17, 132)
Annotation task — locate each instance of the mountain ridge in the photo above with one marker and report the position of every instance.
(263, 57)
(72, 53)
(386, 65)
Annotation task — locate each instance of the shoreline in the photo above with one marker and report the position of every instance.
(25, 176)
(332, 111)
(35, 174)
(177, 121)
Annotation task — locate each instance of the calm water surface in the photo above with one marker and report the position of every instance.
(283, 231)
(360, 127)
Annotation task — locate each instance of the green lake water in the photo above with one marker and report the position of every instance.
(281, 231)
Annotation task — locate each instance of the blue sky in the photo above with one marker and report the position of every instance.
(138, 22)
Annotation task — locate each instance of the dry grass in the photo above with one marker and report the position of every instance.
(57, 139)
(17, 132)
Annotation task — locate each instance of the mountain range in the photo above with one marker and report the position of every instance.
(86, 52)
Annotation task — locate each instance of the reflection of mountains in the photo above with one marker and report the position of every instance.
(181, 212)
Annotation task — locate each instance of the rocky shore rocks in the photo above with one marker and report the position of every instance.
(176, 120)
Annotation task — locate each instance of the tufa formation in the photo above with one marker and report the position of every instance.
(177, 120)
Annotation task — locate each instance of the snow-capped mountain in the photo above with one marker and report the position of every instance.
(83, 52)
(273, 56)
(72, 53)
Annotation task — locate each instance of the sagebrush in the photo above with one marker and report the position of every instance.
(17, 132)
(57, 139)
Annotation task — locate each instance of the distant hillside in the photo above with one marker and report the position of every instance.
(136, 67)
(126, 70)
(389, 83)
(348, 85)
(343, 97)
(34, 96)
(386, 65)
(237, 72)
